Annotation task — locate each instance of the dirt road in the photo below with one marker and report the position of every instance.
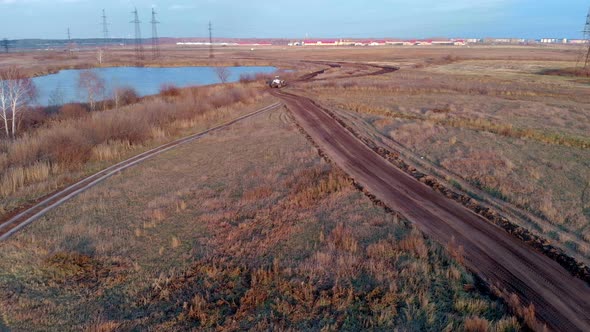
(27, 216)
(561, 301)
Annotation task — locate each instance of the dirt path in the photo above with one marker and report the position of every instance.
(561, 301)
(26, 217)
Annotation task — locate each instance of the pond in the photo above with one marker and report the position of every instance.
(63, 87)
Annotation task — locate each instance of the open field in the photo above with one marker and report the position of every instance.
(275, 238)
(481, 132)
(44, 62)
(274, 233)
(499, 258)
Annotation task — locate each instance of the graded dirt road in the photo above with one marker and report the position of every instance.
(561, 301)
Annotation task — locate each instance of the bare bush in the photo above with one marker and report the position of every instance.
(125, 96)
(34, 118)
(71, 111)
(247, 78)
(68, 146)
(169, 90)
(223, 74)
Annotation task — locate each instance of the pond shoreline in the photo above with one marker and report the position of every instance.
(64, 87)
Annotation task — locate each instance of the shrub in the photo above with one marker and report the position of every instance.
(71, 111)
(247, 78)
(130, 127)
(169, 90)
(67, 146)
(125, 96)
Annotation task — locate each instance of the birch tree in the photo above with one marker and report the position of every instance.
(17, 92)
(93, 85)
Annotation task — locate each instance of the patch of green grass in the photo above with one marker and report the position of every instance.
(456, 184)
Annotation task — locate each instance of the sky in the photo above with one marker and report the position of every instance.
(297, 19)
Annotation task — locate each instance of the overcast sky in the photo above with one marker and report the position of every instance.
(298, 18)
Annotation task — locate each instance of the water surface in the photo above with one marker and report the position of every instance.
(63, 87)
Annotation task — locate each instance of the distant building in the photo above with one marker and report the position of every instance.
(496, 40)
(323, 42)
(253, 44)
(395, 42)
(442, 42)
(508, 41)
(578, 41)
(346, 43)
(550, 40)
(373, 43)
(423, 43)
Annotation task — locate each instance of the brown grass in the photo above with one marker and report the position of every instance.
(494, 128)
(71, 111)
(274, 239)
(264, 236)
(476, 324)
(169, 90)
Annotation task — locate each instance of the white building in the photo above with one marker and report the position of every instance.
(554, 40)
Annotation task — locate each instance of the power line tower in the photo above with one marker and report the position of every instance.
(587, 38)
(69, 41)
(211, 41)
(105, 27)
(155, 40)
(138, 42)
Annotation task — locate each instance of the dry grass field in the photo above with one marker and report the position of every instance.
(45, 62)
(247, 228)
(66, 148)
(492, 127)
